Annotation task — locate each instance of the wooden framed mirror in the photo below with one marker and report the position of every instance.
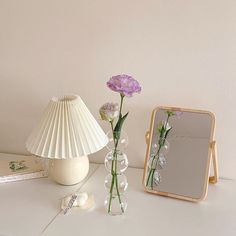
(180, 147)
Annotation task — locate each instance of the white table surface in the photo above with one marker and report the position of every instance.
(32, 207)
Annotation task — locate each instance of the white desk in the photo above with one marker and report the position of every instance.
(32, 207)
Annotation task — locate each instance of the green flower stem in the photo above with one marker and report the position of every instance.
(118, 194)
(121, 104)
(111, 191)
(116, 144)
(114, 163)
(112, 171)
(114, 181)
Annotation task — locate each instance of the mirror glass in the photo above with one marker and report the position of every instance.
(178, 154)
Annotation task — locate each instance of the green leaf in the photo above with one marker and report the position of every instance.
(167, 132)
(170, 113)
(162, 131)
(119, 125)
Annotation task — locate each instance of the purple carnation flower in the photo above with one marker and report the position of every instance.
(124, 84)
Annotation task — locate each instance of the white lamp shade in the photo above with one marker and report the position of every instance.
(67, 129)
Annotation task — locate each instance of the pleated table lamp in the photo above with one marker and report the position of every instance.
(66, 134)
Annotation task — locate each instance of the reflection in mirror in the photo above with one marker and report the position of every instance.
(178, 155)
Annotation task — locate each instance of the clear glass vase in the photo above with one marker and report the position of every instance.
(122, 142)
(120, 183)
(116, 162)
(115, 205)
(121, 161)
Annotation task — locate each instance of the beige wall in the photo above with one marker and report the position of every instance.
(183, 52)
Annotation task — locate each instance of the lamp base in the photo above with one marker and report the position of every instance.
(69, 171)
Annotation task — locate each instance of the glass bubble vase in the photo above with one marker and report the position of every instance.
(121, 161)
(122, 142)
(116, 205)
(120, 183)
(116, 163)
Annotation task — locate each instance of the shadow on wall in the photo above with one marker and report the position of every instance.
(19, 112)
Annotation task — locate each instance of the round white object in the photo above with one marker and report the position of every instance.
(81, 199)
(69, 171)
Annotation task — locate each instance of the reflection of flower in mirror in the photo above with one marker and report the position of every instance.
(161, 161)
(154, 148)
(151, 161)
(157, 177)
(164, 146)
(178, 114)
(157, 159)
(163, 125)
(170, 113)
(152, 155)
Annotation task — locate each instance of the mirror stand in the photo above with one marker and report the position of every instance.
(214, 179)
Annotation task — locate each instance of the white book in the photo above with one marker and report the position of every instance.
(19, 167)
